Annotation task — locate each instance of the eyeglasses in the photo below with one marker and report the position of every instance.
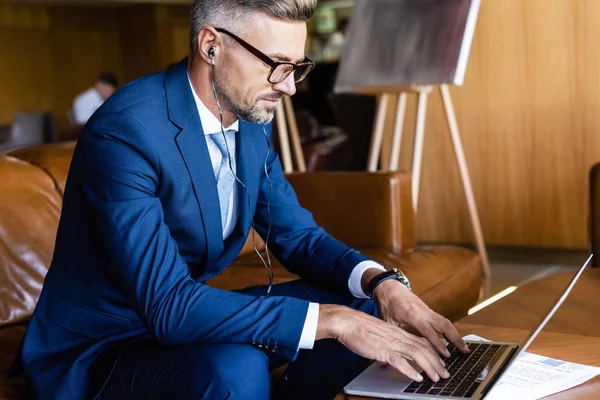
(279, 70)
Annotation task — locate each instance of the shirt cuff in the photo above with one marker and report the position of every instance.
(309, 332)
(356, 276)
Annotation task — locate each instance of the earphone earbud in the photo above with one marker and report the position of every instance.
(211, 52)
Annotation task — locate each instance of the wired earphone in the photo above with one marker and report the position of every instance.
(269, 267)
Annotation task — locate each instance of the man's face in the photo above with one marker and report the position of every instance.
(241, 78)
(106, 90)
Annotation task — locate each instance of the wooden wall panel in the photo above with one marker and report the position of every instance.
(26, 74)
(173, 28)
(51, 53)
(530, 122)
(139, 42)
(85, 42)
(180, 38)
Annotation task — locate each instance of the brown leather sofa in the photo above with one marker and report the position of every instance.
(371, 212)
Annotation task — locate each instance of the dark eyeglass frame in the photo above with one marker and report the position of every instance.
(269, 61)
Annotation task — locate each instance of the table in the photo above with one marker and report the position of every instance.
(573, 334)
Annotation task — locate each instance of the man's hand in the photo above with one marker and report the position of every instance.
(377, 340)
(399, 306)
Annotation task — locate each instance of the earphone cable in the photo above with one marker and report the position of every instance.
(269, 267)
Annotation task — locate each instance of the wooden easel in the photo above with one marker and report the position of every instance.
(375, 150)
(285, 116)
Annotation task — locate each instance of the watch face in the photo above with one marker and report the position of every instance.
(401, 277)
(399, 273)
(404, 280)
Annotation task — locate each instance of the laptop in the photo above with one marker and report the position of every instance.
(472, 375)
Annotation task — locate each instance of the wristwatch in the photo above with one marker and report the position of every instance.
(393, 273)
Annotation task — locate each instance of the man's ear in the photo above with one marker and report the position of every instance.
(207, 40)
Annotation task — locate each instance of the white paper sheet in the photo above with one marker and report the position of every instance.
(531, 377)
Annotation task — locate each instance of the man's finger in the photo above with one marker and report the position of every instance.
(400, 363)
(435, 340)
(446, 327)
(430, 352)
(426, 358)
(434, 358)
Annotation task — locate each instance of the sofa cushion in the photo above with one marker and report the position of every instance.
(30, 207)
(361, 209)
(446, 278)
(53, 158)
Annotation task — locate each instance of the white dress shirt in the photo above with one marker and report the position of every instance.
(86, 104)
(211, 125)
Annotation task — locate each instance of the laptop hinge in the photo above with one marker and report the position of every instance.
(500, 372)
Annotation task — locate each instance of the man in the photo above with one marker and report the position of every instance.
(86, 103)
(152, 209)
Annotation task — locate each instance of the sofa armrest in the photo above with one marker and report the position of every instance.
(361, 209)
(594, 216)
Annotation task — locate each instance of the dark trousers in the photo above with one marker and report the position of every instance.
(147, 370)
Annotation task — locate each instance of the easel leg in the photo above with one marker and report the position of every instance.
(378, 133)
(418, 149)
(397, 142)
(466, 180)
(284, 144)
(291, 118)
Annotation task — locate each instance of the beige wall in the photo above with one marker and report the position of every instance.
(529, 114)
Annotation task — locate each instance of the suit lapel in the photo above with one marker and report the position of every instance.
(192, 146)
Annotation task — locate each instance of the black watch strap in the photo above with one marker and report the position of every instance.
(393, 273)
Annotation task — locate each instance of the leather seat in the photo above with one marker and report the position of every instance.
(54, 159)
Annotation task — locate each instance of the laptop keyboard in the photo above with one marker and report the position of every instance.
(464, 370)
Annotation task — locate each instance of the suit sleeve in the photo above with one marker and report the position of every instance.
(296, 240)
(119, 181)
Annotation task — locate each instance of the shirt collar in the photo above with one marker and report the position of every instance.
(210, 123)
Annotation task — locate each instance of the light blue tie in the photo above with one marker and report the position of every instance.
(225, 178)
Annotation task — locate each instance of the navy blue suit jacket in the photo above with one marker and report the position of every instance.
(140, 233)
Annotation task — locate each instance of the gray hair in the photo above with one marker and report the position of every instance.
(225, 13)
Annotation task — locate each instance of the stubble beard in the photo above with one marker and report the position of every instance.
(252, 113)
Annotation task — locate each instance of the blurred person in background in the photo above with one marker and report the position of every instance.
(86, 103)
